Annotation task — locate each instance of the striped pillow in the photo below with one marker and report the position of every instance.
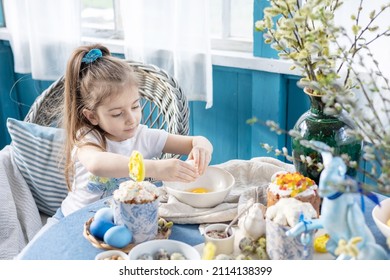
(37, 150)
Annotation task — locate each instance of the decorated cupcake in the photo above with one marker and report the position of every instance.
(136, 202)
(136, 206)
(295, 185)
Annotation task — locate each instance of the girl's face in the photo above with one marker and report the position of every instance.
(118, 116)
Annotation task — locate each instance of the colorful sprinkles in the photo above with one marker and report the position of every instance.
(295, 182)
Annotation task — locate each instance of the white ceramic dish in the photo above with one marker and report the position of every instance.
(223, 245)
(171, 246)
(217, 181)
(381, 215)
(111, 255)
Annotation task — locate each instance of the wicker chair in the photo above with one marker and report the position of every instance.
(164, 106)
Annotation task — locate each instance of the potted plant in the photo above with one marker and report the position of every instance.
(305, 33)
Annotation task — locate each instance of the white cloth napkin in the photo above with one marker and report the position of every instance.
(248, 174)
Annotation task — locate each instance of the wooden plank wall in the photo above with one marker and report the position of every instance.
(242, 94)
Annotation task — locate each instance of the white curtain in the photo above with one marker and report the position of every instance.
(379, 48)
(44, 33)
(173, 35)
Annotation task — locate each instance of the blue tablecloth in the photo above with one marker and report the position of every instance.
(65, 240)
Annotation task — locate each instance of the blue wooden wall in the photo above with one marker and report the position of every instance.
(242, 94)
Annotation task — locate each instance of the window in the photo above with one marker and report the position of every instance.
(101, 18)
(231, 22)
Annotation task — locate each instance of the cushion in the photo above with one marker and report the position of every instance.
(37, 151)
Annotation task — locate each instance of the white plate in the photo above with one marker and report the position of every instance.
(171, 246)
(110, 253)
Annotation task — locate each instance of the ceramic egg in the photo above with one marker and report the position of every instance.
(99, 227)
(105, 213)
(118, 236)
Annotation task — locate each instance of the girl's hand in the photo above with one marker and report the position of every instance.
(201, 153)
(171, 170)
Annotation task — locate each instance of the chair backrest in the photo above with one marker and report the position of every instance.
(164, 105)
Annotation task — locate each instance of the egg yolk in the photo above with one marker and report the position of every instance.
(199, 190)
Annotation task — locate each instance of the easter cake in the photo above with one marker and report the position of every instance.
(136, 207)
(293, 184)
(131, 192)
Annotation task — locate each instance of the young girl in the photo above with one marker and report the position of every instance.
(102, 116)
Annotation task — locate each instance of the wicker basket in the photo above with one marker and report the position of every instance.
(163, 233)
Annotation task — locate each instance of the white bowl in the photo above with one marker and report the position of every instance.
(108, 255)
(171, 246)
(216, 180)
(381, 215)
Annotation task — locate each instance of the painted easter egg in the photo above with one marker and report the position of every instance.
(99, 227)
(105, 213)
(118, 236)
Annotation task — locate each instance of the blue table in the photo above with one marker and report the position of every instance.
(65, 240)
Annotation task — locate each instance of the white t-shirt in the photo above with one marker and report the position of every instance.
(88, 188)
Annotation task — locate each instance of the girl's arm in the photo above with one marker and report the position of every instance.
(105, 164)
(197, 148)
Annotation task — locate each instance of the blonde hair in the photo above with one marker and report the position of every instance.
(87, 85)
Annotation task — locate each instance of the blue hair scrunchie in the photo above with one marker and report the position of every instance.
(92, 55)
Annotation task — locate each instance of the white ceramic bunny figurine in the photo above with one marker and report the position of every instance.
(253, 223)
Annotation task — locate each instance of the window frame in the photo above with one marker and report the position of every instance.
(227, 42)
(223, 43)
